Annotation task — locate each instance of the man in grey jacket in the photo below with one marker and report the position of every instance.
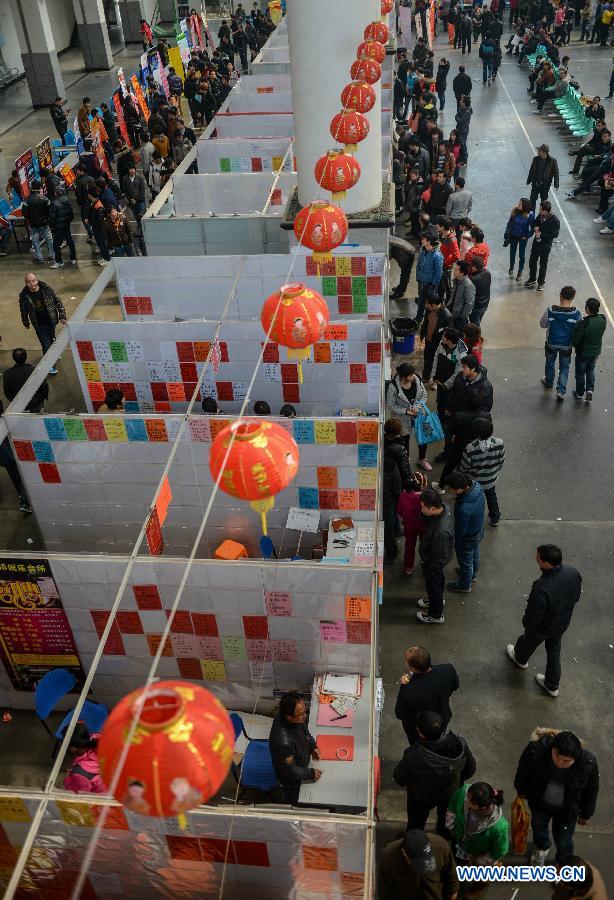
(459, 204)
(133, 186)
(436, 548)
(462, 297)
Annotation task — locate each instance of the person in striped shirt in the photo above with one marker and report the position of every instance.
(482, 460)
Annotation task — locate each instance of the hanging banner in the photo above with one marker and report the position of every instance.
(140, 98)
(430, 17)
(25, 171)
(145, 65)
(122, 81)
(121, 122)
(196, 30)
(68, 175)
(99, 134)
(155, 66)
(35, 634)
(43, 154)
(174, 56)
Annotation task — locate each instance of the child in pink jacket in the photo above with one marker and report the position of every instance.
(409, 511)
(83, 777)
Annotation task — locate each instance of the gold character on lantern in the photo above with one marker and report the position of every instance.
(134, 799)
(219, 745)
(186, 796)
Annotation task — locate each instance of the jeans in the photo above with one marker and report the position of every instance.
(42, 234)
(477, 314)
(434, 582)
(564, 356)
(562, 832)
(139, 209)
(486, 69)
(582, 152)
(540, 252)
(84, 214)
(492, 503)
(442, 99)
(423, 291)
(46, 336)
(463, 155)
(468, 556)
(585, 373)
(123, 250)
(528, 643)
(102, 245)
(58, 238)
(519, 243)
(538, 190)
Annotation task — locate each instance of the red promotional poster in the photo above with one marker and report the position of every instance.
(121, 122)
(25, 171)
(43, 154)
(97, 147)
(35, 634)
(138, 93)
(68, 175)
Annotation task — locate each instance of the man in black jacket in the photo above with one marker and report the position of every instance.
(436, 319)
(560, 781)
(471, 397)
(14, 379)
(36, 210)
(432, 769)
(60, 119)
(40, 306)
(403, 254)
(436, 548)
(591, 148)
(481, 279)
(425, 687)
(461, 85)
(548, 615)
(292, 746)
(60, 217)
(83, 185)
(543, 172)
(133, 186)
(545, 231)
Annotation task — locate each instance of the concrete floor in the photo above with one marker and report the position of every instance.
(546, 491)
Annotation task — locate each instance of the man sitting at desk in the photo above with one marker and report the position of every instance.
(292, 747)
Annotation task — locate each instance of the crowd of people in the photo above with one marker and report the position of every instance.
(444, 521)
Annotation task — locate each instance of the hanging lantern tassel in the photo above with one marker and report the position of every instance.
(182, 819)
(300, 354)
(263, 507)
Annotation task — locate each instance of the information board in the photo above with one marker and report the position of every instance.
(35, 635)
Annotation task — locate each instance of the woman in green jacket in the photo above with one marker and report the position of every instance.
(479, 829)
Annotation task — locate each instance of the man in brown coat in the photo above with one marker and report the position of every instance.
(419, 866)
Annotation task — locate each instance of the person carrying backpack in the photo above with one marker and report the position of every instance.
(487, 55)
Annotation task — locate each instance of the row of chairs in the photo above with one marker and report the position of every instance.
(60, 151)
(253, 772)
(570, 106)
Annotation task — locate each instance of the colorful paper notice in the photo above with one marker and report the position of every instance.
(278, 603)
(164, 498)
(115, 429)
(325, 433)
(213, 670)
(333, 632)
(358, 608)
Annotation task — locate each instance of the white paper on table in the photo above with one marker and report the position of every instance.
(303, 519)
(341, 684)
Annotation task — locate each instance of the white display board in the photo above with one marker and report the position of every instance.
(268, 125)
(228, 156)
(245, 194)
(195, 287)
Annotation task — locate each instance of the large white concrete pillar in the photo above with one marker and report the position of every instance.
(38, 53)
(93, 34)
(323, 37)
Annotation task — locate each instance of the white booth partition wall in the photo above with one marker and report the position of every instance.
(273, 125)
(221, 854)
(229, 156)
(245, 194)
(187, 287)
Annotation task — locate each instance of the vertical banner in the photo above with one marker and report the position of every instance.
(174, 57)
(68, 175)
(430, 18)
(140, 98)
(35, 634)
(121, 122)
(122, 81)
(25, 171)
(43, 154)
(99, 134)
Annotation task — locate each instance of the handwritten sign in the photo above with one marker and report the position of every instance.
(325, 433)
(213, 670)
(333, 632)
(358, 608)
(303, 519)
(278, 603)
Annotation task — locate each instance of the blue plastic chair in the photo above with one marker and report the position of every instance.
(255, 772)
(70, 137)
(50, 690)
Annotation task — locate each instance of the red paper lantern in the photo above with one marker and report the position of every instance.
(337, 171)
(359, 96)
(262, 461)
(321, 227)
(377, 31)
(372, 50)
(299, 318)
(387, 7)
(349, 127)
(180, 752)
(368, 70)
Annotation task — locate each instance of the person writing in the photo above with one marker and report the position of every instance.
(292, 747)
(83, 776)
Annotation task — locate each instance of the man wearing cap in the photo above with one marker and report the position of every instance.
(544, 170)
(417, 867)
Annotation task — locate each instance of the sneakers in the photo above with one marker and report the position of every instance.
(512, 656)
(409, 571)
(541, 680)
(429, 620)
(588, 397)
(529, 283)
(437, 487)
(457, 588)
(24, 505)
(560, 397)
(53, 371)
(56, 265)
(101, 262)
(423, 603)
(578, 396)
(539, 857)
(425, 464)
(546, 384)
(540, 287)
(606, 230)
(494, 523)
(519, 275)
(73, 262)
(570, 195)
(598, 220)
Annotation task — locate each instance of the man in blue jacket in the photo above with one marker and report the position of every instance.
(560, 322)
(468, 529)
(428, 270)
